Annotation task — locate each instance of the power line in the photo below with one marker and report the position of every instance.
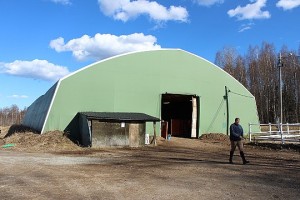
(240, 94)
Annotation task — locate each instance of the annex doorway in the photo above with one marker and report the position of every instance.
(180, 115)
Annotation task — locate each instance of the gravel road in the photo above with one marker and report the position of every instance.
(176, 169)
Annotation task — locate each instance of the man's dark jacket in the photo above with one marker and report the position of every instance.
(236, 131)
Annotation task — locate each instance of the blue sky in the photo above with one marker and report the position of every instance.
(44, 40)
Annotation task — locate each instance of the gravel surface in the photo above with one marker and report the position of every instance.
(176, 169)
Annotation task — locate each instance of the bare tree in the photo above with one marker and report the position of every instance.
(11, 115)
(258, 72)
(268, 81)
(226, 59)
(240, 71)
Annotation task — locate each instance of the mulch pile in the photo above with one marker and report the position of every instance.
(21, 139)
(219, 137)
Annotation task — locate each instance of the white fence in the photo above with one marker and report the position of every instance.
(276, 132)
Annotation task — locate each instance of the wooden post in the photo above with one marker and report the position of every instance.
(250, 132)
(281, 134)
(154, 127)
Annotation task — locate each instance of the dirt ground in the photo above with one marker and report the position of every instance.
(175, 169)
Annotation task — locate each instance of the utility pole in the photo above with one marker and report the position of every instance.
(227, 110)
(280, 65)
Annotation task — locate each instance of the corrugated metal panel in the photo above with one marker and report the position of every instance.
(37, 111)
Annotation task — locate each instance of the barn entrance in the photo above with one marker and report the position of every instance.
(179, 115)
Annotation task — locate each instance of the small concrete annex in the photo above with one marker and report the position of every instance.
(189, 94)
(102, 129)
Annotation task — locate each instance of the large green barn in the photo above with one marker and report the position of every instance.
(189, 94)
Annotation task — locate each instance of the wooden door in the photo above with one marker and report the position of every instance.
(134, 135)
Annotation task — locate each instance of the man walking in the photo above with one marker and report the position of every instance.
(236, 136)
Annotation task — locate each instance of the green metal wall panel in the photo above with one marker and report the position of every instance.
(37, 111)
(134, 83)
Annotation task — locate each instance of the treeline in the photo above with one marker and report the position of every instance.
(258, 71)
(11, 115)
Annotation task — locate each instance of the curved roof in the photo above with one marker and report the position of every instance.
(135, 52)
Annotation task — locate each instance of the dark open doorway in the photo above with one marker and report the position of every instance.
(179, 114)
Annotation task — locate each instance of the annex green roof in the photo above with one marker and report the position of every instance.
(134, 82)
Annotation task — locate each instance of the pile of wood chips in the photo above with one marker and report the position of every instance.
(28, 141)
(215, 137)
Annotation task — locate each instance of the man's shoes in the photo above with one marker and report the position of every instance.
(243, 157)
(231, 156)
(245, 162)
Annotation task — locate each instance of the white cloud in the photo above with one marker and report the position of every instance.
(125, 10)
(208, 2)
(104, 45)
(288, 4)
(250, 11)
(63, 2)
(245, 27)
(37, 69)
(16, 96)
